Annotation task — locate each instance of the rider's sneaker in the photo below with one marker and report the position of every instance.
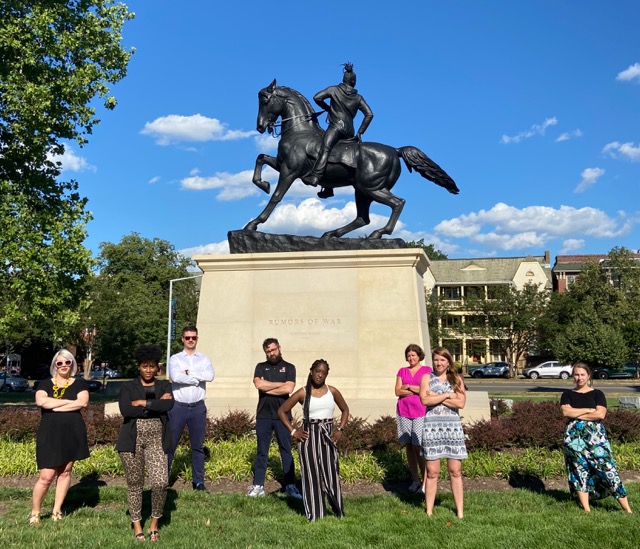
(256, 490)
(292, 491)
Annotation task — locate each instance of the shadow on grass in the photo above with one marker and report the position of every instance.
(533, 483)
(85, 493)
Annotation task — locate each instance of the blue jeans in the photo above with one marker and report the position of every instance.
(193, 416)
(264, 433)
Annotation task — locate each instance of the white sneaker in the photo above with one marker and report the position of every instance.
(256, 490)
(415, 486)
(292, 491)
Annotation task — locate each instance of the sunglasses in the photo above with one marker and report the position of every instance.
(61, 363)
(190, 338)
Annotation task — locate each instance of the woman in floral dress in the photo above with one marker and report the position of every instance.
(591, 469)
(443, 393)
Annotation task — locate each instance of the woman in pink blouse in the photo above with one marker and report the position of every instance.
(410, 413)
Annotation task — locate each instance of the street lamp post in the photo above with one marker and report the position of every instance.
(171, 315)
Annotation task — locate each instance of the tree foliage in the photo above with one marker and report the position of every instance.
(130, 295)
(55, 58)
(598, 319)
(512, 318)
(432, 252)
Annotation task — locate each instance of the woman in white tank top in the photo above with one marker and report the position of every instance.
(319, 468)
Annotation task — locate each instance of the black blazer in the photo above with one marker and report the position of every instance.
(134, 390)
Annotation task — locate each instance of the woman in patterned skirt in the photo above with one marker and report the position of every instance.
(145, 438)
(443, 393)
(410, 413)
(591, 468)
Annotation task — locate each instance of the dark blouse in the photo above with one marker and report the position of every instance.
(590, 399)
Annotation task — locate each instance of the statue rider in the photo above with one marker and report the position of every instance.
(345, 104)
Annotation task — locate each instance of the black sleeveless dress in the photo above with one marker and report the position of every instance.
(62, 436)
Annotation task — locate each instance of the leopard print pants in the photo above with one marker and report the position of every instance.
(149, 454)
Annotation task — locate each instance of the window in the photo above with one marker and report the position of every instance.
(450, 292)
(474, 292)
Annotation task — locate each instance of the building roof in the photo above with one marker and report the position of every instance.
(482, 270)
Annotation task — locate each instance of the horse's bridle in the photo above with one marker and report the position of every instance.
(271, 128)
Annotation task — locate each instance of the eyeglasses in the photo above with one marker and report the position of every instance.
(190, 338)
(61, 363)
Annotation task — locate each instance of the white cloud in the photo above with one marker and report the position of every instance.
(266, 143)
(630, 73)
(536, 129)
(232, 186)
(175, 128)
(154, 180)
(627, 149)
(589, 178)
(506, 227)
(70, 162)
(314, 217)
(203, 249)
(569, 135)
(572, 245)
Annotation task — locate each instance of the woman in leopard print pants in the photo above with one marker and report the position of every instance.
(145, 438)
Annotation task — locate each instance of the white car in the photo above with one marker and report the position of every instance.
(551, 368)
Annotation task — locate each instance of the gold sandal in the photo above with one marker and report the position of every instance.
(56, 516)
(34, 519)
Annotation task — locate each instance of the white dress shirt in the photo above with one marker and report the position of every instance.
(190, 388)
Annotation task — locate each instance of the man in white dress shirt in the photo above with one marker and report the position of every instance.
(189, 371)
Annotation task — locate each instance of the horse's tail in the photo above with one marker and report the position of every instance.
(416, 160)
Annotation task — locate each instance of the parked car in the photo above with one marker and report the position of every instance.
(13, 383)
(491, 369)
(42, 371)
(109, 373)
(93, 384)
(551, 368)
(628, 371)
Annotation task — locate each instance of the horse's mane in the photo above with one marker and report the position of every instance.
(303, 99)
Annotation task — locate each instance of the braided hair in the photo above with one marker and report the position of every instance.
(307, 389)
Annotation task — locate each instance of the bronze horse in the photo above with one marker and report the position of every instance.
(371, 168)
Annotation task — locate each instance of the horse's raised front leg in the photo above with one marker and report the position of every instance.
(363, 203)
(284, 184)
(257, 172)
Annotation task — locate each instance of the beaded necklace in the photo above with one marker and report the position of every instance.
(58, 392)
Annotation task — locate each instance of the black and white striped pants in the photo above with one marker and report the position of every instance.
(320, 471)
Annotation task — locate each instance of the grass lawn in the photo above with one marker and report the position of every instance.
(517, 519)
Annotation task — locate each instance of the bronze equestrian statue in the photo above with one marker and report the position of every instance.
(371, 168)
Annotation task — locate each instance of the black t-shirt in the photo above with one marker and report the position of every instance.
(590, 399)
(279, 372)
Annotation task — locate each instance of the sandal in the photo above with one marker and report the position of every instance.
(154, 535)
(56, 516)
(34, 518)
(140, 537)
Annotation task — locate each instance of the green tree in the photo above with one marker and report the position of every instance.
(598, 319)
(55, 58)
(432, 252)
(512, 318)
(130, 295)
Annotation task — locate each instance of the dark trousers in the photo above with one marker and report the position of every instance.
(193, 416)
(264, 433)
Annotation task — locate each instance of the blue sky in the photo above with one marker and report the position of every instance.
(532, 107)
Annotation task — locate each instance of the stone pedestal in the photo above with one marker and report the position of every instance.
(356, 309)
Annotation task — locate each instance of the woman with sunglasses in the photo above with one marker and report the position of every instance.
(62, 435)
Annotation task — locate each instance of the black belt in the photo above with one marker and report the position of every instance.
(190, 404)
(312, 421)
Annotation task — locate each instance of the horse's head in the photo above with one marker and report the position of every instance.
(269, 108)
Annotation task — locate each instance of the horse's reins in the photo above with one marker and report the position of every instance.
(275, 125)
